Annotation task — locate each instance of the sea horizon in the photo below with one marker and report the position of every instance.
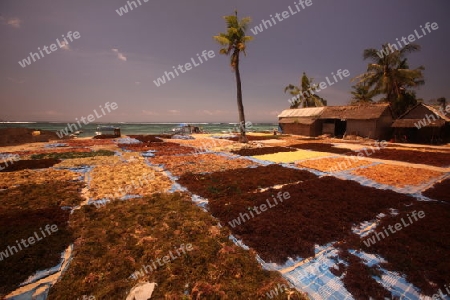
(128, 128)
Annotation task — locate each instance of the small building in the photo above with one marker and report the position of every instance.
(370, 121)
(301, 121)
(423, 124)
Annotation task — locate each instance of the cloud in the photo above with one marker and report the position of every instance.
(137, 83)
(119, 55)
(148, 112)
(46, 113)
(65, 45)
(15, 80)
(213, 112)
(174, 112)
(13, 22)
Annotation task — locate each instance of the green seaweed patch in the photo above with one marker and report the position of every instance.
(68, 155)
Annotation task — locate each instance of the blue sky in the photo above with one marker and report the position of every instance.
(117, 58)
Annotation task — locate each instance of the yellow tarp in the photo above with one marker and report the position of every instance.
(288, 157)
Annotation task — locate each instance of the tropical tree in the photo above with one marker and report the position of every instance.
(362, 94)
(389, 74)
(304, 96)
(234, 42)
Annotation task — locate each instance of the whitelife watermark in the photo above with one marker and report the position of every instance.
(244, 217)
(266, 24)
(35, 56)
(72, 127)
(360, 154)
(8, 161)
(440, 295)
(322, 85)
(31, 241)
(165, 260)
(429, 118)
(188, 66)
(411, 38)
(280, 288)
(398, 226)
(124, 9)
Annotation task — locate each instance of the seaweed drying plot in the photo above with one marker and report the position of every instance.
(321, 147)
(136, 233)
(166, 148)
(440, 191)
(28, 164)
(419, 250)
(398, 176)
(255, 137)
(320, 211)
(240, 181)
(262, 151)
(438, 159)
(312, 215)
(201, 163)
(70, 155)
(25, 211)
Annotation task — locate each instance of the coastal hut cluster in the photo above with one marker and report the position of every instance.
(421, 124)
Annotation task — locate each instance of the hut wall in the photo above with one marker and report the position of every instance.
(364, 128)
(314, 129)
(383, 126)
(328, 128)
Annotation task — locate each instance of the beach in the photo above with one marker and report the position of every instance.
(206, 217)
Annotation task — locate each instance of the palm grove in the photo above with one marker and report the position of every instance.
(388, 75)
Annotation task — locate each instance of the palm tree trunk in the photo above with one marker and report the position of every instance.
(242, 138)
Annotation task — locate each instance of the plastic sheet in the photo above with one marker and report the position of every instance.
(182, 137)
(127, 140)
(55, 145)
(38, 285)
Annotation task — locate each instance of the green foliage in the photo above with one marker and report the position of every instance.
(234, 40)
(305, 96)
(67, 155)
(389, 73)
(362, 94)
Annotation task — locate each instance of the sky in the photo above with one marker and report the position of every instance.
(117, 58)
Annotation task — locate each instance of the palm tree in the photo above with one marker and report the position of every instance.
(305, 95)
(234, 43)
(389, 73)
(362, 94)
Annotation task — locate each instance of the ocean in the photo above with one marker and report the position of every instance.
(139, 128)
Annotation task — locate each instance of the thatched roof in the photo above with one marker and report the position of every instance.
(434, 118)
(437, 112)
(302, 112)
(355, 112)
(411, 123)
(292, 120)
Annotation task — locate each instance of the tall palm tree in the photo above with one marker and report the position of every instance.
(305, 95)
(362, 94)
(234, 43)
(389, 72)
